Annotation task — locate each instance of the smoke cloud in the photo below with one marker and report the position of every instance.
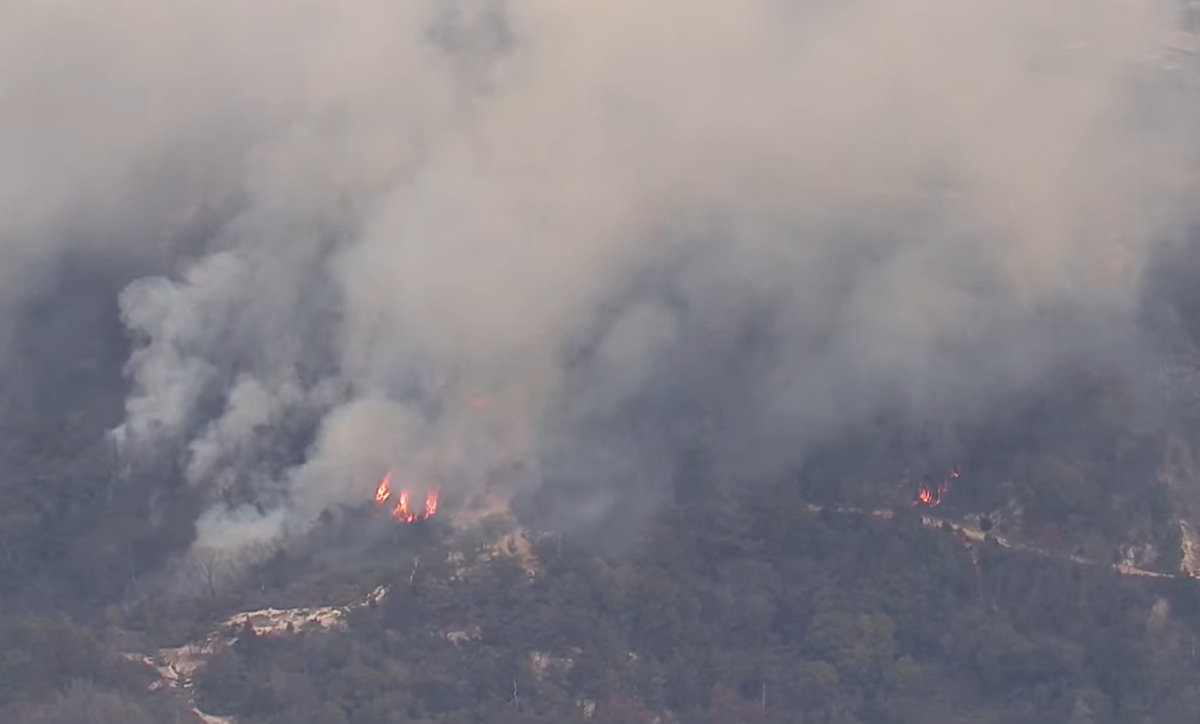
(352, 221)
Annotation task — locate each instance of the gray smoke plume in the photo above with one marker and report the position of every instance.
(363, 218)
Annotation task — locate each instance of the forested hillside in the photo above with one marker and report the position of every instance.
(736, 602)
(746, 610)
(609, 361)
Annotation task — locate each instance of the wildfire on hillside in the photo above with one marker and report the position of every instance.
(402, 511)
(927, 496)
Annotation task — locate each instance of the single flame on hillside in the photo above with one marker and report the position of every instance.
(402, 511)
(384, 491)
(925, 496)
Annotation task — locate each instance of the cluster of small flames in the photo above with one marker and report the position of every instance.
(931, 497)
(402, 510)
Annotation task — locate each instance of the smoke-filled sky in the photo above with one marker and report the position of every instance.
(347, 220)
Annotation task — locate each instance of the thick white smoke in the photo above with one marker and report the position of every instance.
(411, 203)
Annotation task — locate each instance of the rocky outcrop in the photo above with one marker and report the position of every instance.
(177, 666)
(1190, 543)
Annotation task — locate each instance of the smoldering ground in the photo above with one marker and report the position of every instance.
(612, 220)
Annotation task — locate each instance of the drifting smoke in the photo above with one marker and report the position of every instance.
(376, 217)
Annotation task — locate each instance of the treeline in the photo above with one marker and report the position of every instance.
(55, 672)
(744, 609)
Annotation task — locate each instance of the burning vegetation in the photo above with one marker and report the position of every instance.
(927, 496)
(403, 510)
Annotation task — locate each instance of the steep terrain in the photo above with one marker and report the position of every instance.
(180, 667)
(723, 363)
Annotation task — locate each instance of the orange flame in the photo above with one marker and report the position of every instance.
(925, 496)
(401, 511)
(384, 491)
